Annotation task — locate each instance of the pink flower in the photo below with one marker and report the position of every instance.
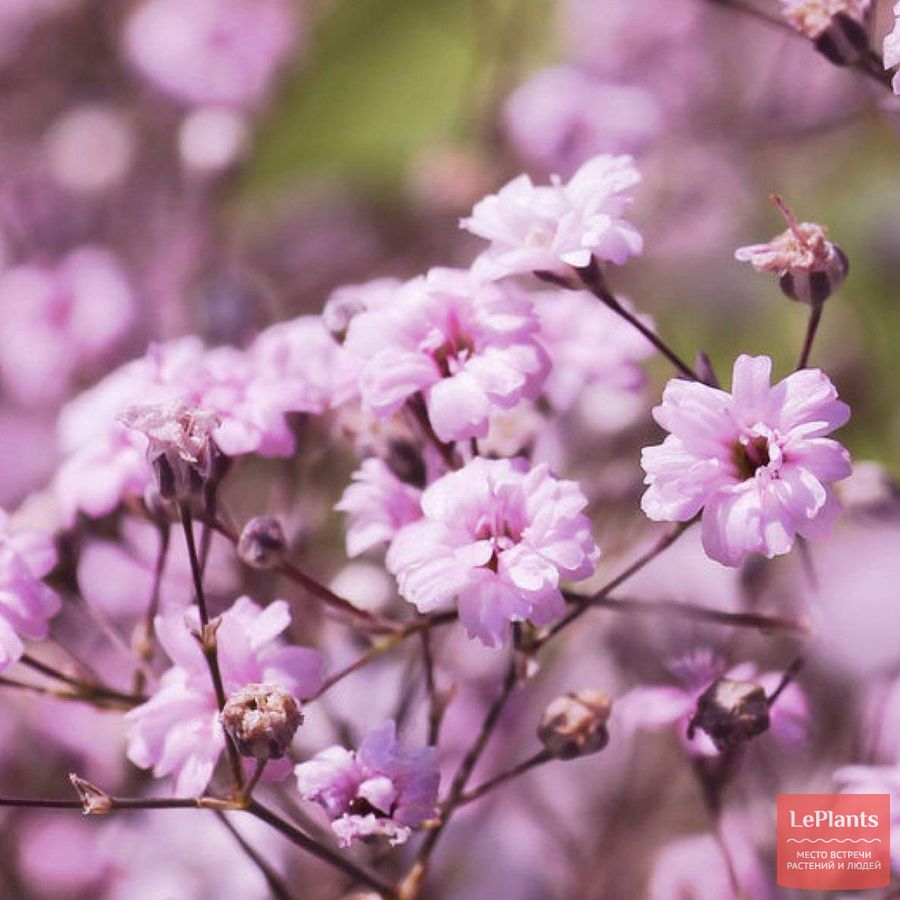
(379, 504)
(211, 51)
(469, 347)
(56, 321)
(26, 603)
(498, 539)
(892, 48)
(177, 731)
(562, 116)
(380, 789)
(755, 461)
(588, 345)
(553, 227)
(862, 779)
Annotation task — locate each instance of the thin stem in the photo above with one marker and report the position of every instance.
(435, 706)
(85, 689)
(701, 613)
(45, 691)
(276, 885)
(254, 779)
(416, 405)
(491, 784)
(196, 573)
(296, 836)
(593, 279)
(147, 638)
(815, 316)
(792, 671)
(584, 604)
(413, 882)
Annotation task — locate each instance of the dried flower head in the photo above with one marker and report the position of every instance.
(575, 724)
(180, 449)
(262, 544)
(94, 802)
(813, 17)
(262, 720)
(731, 712)
(809, 266)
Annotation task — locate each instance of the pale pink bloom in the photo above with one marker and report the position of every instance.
(812, 17)
(563, 115)
(26, 603)
(550, 228)
(755, 461)
(56, 321)
(468, 346)
(588, 344)
(379, 789)
(862, 779)
(656, 707)
(378, 504)
(211, 51)
(498, 539)
(892, 48)
(177, 732)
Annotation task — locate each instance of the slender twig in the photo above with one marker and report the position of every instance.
(295, 835)
(419, 410)
(258, 770)
(46, 691)
(435, 706)
(87, 689)
(792, 671)
(412, 884)
(593, 279)
(147, 637)
(486, 787)
(276, 885)
(584, 604)
(815, 316)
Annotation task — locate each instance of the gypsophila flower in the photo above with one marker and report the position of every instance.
(177, 731)
(469, 347)
(496, 538)
(26, 603)
(551, 228)
(809, 266)
(379, 789)
(891, 48)
(378, 504)
(812, 17)
(261, 719)
(755, 461)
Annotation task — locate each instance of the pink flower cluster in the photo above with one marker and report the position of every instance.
(497, 539)
(177, 731)
(26, 603)
(755, 462)
(379, 789)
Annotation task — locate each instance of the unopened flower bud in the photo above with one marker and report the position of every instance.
(261, 719)
(810, 268)
(339, 311)
(731, 712)
(94, 802)
(262, 544)
(180, 447)
(406, 462)
(575, 724)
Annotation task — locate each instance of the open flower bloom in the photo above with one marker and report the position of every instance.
(755, 461)
(468, 346)
(379, 504)
(177, 731)
(550, 228)
(26, 603)
(379, 789)
(210, 51)
(892, 48)
(57, 320)
(498, 539)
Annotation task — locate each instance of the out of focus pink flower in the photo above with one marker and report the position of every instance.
(892, 48)
(862, 779)
(379, 789)
(470, 347)
(177, 732)
(211, 51)
(562, 116)
(550, 228)
(57, 320)
(588, 344)
(672, 706)
(378, 504)
(498, 539)
(26, 603)
(755, 461)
